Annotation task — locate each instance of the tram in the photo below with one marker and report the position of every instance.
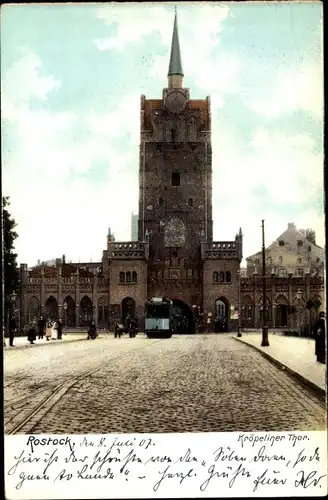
(158, 320)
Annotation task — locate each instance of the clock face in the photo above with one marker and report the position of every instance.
(175, 102)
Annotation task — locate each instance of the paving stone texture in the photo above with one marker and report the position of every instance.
(195, 383)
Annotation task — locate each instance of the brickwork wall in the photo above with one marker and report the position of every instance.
(136, 291)
(213, 291)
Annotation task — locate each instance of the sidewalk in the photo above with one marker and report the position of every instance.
(22, 342)
(296, 355)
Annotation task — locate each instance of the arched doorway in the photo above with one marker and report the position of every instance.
(86, 311)
(247, 312)
(182, 318)
(33, 309)
(103, 314)
(281, 312)
(221, 315)
(128, 308)
(51, 308)
(69, 315)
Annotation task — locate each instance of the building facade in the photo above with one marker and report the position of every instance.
(174, 254)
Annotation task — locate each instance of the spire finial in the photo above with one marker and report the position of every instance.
(175, 66)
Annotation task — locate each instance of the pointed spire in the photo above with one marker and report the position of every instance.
(175, 66)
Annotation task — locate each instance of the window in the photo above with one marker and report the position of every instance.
(270, 261)
(175, 179)
(221, 277)
(299, 243)
(318, 259)
(299, 260)
(281, 243)
(190, 202)
(134, 277)
(215, 277)
(161, 202)
(189, 274)
(309, 248)
(128, 277)
(159, 148)
(100, 313)
(122, 277)
(173, 135)
(228, 276)
(280, 260)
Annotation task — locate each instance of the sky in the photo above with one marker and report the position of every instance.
(72, 76)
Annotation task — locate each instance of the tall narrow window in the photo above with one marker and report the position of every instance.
(215, 277)
(122, 277)
(128, 277)
(190, 202)
(221, 277)
(134, 277)
(161, 202)
(228, 276)
(175, 179)
(173, 135)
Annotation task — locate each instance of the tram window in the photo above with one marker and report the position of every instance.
(158, 311)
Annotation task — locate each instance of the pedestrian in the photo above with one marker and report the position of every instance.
(41, 327)
(54, 330)
(59, 329)
(49, 330)
(320, 339)
(12, 331)
(31, 332)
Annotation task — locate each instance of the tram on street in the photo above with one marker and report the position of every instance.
(158, 318)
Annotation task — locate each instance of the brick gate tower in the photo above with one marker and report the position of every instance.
(175, 196)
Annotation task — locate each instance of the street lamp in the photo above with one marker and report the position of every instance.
(265, 337)
(65, 317)
(274, 305)
(239, 307)
(299, 309)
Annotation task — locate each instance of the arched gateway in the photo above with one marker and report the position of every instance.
(182, 318)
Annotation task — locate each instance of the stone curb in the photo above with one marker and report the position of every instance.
(315, 387)
(28, 346)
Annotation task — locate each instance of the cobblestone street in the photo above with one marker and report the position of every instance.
(184, 384)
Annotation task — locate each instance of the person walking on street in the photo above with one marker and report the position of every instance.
(49, 330)
(31, 333)
(41, 327)
(59, 329)
(54, 330)
(12, 331)
(320, 338)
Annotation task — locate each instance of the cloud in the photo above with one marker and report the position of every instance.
(294, 88)
(18, 92)
(49, 175)
(277, 173)
(132, 24)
